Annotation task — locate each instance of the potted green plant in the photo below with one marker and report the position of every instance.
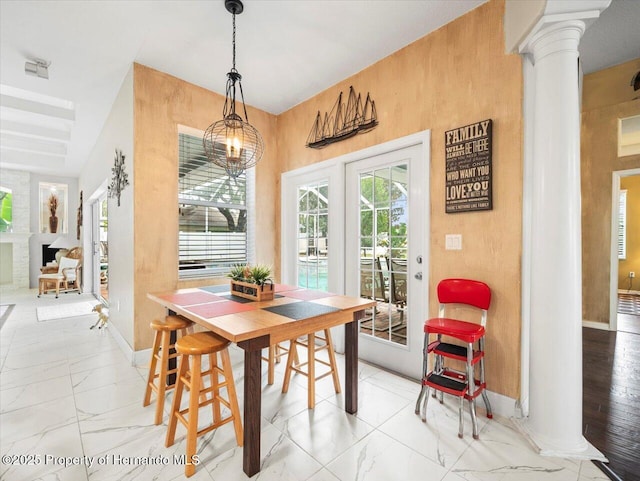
(252, 282)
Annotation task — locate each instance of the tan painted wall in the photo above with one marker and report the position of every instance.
(632, 262)
(450, 78)
(161, 102)
(610, 86)
(606, 97)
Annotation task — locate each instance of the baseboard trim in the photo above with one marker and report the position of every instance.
(606, 470)
(141, 358)
(122, 342)
(502, 405)
(596, 325)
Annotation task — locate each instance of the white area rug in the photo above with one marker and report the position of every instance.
(61, 311)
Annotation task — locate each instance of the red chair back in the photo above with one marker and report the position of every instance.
(464, 291)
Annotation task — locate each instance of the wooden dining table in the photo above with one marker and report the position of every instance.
(254, 326)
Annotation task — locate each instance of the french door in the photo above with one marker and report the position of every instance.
(100, 246)
(358, 225)
(386, 254)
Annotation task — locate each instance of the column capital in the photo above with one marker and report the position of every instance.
(556, 37)
(561, 21)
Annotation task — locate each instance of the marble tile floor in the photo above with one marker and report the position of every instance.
(69, 395)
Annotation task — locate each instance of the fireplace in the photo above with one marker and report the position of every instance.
(6, 263)
(15, 274)
(48, 254)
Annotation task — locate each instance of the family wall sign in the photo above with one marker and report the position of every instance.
(468, 184)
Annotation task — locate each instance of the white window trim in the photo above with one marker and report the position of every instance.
(251, 214)
(616, 176)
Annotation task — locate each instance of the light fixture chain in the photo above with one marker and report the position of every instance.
(234, 41)
(232, 143)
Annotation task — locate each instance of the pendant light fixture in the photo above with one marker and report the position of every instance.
(233, 143)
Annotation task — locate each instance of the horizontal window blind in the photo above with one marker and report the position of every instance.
(622, 225)
(212, 213)
(202, 181)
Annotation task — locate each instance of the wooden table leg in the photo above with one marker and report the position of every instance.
(351, 363)
(252, 402)
(173, 360)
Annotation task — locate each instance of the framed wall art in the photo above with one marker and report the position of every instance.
(469, 171)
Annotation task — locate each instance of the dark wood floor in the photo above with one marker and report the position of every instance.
(611, 398)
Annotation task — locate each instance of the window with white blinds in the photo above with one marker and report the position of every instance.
(213, 217)
(622, 225)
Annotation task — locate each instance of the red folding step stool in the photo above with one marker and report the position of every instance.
(441, 378)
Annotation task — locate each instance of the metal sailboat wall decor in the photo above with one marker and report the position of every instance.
(343, 121)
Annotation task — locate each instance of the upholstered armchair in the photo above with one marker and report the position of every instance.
(75, 253)
(66, 276)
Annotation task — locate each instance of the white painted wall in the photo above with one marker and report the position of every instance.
(117, 133)
(38, 239)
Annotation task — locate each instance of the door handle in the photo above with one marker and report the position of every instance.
(418, 276)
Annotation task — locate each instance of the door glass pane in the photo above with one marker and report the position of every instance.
(383, 252)
(313, 236)
(366, 190)
(323, 198)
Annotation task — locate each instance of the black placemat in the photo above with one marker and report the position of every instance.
(301, 310)
(241, 300)
(216, 289)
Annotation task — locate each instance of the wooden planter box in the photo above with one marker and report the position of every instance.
(254, 292)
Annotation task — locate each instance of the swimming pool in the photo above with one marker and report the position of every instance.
(313, 274)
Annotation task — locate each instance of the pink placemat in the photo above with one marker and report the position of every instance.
(191, 298)
(307, 295)
(285, 288)
(215, 309)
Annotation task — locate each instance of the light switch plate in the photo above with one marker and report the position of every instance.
(453, 242)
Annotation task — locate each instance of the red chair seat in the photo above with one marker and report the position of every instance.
(465, 331)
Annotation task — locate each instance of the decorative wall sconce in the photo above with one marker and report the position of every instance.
(119, 180)
(79, 219)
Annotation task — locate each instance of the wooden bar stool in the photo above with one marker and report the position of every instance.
(191, 348)
(162, 352)
(276, 352)
(293, 364)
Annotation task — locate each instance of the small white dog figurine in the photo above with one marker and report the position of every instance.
(103, 317)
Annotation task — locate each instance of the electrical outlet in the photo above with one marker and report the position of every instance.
(632, 274)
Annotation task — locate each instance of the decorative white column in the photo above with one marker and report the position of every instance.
(554, 279)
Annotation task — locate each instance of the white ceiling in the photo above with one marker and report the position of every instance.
(287, 51)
